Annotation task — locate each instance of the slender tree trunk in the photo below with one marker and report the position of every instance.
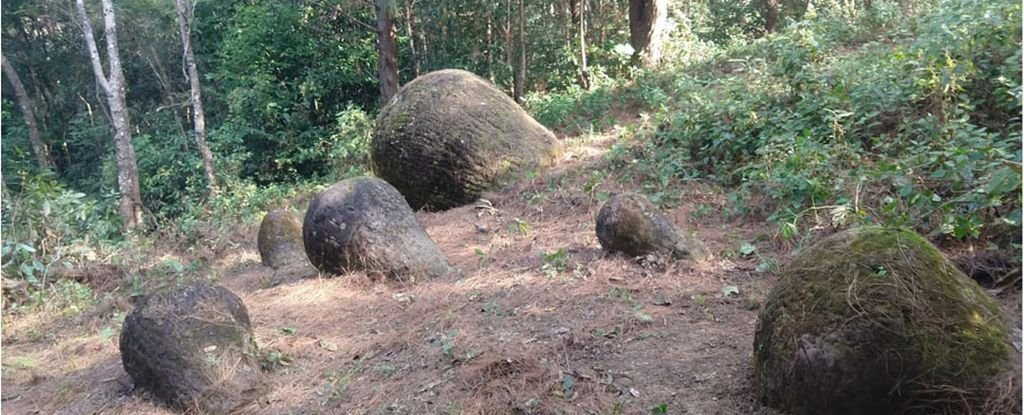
(410, 17)
(584, 72)
(25, 103)
(510, 48)
(387, 50)
(114, 89)
(198, 115)
(771, 15)
(647, 19)
(566, 10)
(520, 86)
(490, 45)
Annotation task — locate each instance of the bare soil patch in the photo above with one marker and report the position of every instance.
(538, 320)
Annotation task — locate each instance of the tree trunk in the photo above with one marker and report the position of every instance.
(647, 19)
(490, 46)
(584, 72)
(566, 10)
(114, 89)
(410, 17)
(520, 85)
(198, 116)
(25, 103)
(771, 15)
(510, 48)
(387, 50)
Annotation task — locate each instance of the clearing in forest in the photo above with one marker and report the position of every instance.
(537, 321)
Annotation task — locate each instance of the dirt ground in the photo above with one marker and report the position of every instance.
(537, 321)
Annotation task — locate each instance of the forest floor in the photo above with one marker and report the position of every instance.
(538, 320)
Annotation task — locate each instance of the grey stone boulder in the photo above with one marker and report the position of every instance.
(876, 320)
(193, 348)
(280, 239)
(449, 135)
(630, 224)
(364, 224)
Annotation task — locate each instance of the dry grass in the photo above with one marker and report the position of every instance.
(505, 334)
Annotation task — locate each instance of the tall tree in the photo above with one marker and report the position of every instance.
(647, 20)
(198, 116)
(387, 49)
(771, 15)
(520, 79)
(410, 20)
(584, 73)
(113, 87)
(25, 103)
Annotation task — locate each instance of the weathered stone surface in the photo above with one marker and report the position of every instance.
(364, 224)
(877, 320)
(280, 239)
(193, 348)
(630, 224)
(449, 135)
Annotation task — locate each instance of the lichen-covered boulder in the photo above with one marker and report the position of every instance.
(280, 239)
(630, 224)
(364, 224)
(193, 347)
(449, 135)
(877, 320)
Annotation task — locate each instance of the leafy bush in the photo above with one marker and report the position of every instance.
(349, 148)
(918, 128)
(285, 78)
(48, 225)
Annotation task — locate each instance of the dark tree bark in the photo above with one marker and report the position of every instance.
(410, 19)
(490, 46)
(647, 20)
(520, 85)
(198, 115)
(565, 9)
(771, 15)
(510, 48)
(113, 86)
(584, 72)
(25, 103)
(387, 50)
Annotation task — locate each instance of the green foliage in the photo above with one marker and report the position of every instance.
(900, 113)
(46, 225)
(555, 262)
(349, 146)
(915, 128)
(286, 77)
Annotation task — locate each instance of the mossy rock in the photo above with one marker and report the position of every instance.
(364, 224)
(193, 347)
(449, 135)
(630, 224)
(280, 239)
(877, 320)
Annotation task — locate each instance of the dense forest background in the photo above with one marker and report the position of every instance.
(806, 113)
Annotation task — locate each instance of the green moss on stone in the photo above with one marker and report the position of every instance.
(280, 239)
(875, 319)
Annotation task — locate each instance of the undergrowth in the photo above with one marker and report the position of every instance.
(842, 119)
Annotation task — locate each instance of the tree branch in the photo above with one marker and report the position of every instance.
(90, 43)
(110, 32)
